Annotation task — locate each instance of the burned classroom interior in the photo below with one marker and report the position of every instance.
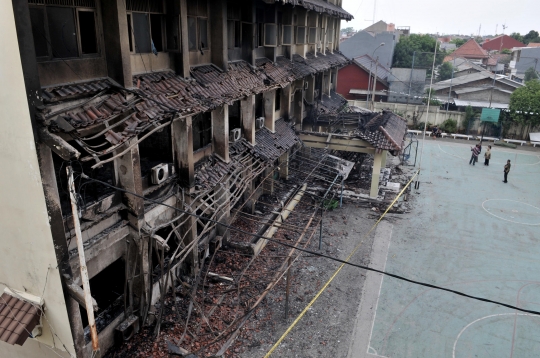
(176, 141)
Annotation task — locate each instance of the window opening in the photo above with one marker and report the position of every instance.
(259, 105)
(198, 26)
(234, 28)
(234, 116)
(259, 18)
(65, 31)
(300, 35)
(141, 31)
(202, 130)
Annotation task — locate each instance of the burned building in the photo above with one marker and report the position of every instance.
(153, 121)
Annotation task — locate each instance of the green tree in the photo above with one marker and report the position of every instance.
(525, 105)
(423, 45)
(532, 36)
(433, 100)
(347, 30)
(516, 36)
(506, 51)
(530, 74)
(459, 42)
(445, 71)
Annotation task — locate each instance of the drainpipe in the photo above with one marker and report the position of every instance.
(82, 263)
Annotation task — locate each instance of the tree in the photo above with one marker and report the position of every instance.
(530, 74)
(445, 71)
(347, 30)
(532, 36)
(459, 42)
(525, 105)
(424, 45)
(516, 36)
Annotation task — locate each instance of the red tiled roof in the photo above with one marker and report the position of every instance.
(501, 42)
(533, 44)
(470, 49)
(17, 319)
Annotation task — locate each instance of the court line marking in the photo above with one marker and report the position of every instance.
(482, 318)
(512, 221)
(464, 158)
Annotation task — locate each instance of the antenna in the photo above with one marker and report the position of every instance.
(374, 9)
(479, 29)
(496, 28)
(504, 27)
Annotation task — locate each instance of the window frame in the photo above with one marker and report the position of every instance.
(198, 34)
(304, 41)
(291, 39)
(163, 27)
(75, 12)
(203, 118)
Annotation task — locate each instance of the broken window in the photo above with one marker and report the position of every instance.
(146, 22)
(202, 130)
(234, 115)
(198, 26)
(259, 18)
(65, 31)
(259, 105)
(234, 29)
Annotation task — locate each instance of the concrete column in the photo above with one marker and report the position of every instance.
(181, 60)
(220, 132)
(189, 231)
(270, 110)
(299, 108)
(116, 37)
(268, 184)
(286, 102)
(247, 109)
(223, 214)
(284, 166)
(218, 34)
(128, 171)
(310, 92)
(377, 163)
(384, 157)
(182, 143)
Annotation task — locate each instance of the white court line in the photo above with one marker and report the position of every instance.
(482, 318)
(379, 294)
(498, 151)
(512, 221)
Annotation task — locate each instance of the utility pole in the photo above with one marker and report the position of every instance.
(410, 82)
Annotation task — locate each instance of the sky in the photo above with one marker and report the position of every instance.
(448, 17)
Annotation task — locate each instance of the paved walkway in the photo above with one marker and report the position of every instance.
(469, 232)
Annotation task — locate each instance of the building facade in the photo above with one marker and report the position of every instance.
(169, 113)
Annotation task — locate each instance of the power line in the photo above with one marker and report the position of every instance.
(314, 252)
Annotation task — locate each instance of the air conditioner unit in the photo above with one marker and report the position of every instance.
(160, 173)
(235, 135)
(259, 122)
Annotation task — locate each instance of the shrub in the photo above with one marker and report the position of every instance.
(449, 126)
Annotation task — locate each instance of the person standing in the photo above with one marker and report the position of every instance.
(475, 151)
(506, 171)
(487, 155)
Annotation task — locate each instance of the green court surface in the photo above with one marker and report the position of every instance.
(472, 233)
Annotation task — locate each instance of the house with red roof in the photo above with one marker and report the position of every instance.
(501, 42)
(470, 50)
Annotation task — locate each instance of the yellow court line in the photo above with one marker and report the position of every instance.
(286, 333)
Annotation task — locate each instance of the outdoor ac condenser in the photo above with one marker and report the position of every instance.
(259, 122)
(235, 135)
(160, 173)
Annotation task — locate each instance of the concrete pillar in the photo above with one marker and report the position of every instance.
(270, 110)
(284, 166)
(327, 80)
(299, 108)
(384, 157)
(377, 163)
(268, 184)
(189, 231)
(223, 214)
(220, 132)
(247, 109)
(128, 171)
(218, 34)
(116, 37)
(310, 92)
(182, 143)
(286, 102)
(181, 60)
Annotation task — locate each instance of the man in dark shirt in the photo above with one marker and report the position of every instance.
(506, 171)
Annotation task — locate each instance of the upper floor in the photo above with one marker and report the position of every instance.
(80, 40)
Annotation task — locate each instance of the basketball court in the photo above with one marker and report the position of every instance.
(468, 232)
